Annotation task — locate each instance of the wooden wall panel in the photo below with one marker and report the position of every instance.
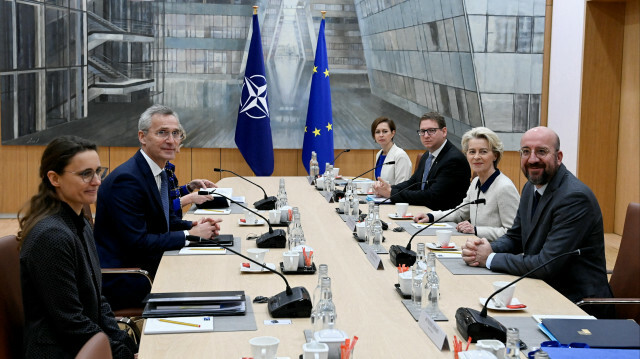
(286, 162)
(34, 156)
(231, 159)
(119, 155)
(183, 166)
(546, 60)
(13, 178)
(356, 162)
(510, 166)
(628, 178)
(600, 103)
(203, 161)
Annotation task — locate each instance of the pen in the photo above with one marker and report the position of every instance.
(180, 323)
(216, 210)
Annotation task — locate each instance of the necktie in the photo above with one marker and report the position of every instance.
(427, 167)
(536, 199)
(164, 195)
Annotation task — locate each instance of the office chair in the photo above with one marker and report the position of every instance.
(96, 348)
(624, 278)
(126, 316)
(11, 310)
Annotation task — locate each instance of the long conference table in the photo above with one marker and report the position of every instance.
(367, 303)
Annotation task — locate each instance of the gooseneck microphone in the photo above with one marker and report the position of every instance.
(275, 238)
(340, 154)
(292, 303)
(428, 182)
(265, 204)
(478, 325)
(400, 255)
(340, 193)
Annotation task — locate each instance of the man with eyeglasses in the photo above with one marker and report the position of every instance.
(134, 224)
(442, 177)
(557, 214)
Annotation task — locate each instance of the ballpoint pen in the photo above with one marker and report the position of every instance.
(179, 323)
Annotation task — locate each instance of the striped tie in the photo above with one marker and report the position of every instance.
(164, 195)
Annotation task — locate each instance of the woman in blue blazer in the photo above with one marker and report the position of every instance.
(59, 266)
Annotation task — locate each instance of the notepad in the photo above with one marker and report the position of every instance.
(212, 211)
(202, 251)
(178, 325)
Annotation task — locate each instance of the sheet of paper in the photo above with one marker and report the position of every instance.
(435, 225)
(178, 325)
(212, 211)
(202, 251)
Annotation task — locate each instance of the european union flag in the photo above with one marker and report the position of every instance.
(253, 130)
(318, 131)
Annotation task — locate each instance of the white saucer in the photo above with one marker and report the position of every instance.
(395, 216)
(492, 305)
(261, 270)
(258, 222)
(436, 247)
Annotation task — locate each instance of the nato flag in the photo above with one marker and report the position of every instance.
(253, 130)
(318, 131)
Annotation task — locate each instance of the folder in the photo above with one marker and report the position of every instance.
(189, 304)
(601, 333)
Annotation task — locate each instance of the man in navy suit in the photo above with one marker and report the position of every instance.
(134, 224)
(443, 165)
(557, 214)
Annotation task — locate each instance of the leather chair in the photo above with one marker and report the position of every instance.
(11, 310)
(126, 316)
(624, 278)
(96, 348)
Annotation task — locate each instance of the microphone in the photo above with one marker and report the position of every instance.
(339, 194)
(409, 186)
(340, 154)
(264, 204)
(400, 255)
(292, 303)
(273, 239)
(478, 325)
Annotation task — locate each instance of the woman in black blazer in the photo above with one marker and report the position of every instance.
(59, 266)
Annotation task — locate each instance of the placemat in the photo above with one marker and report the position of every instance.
(236, 323)
(530, 334)
(431, 231)
(458, 266)
(237, 246)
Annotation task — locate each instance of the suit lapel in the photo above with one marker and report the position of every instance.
(544, 201)
(441, 155)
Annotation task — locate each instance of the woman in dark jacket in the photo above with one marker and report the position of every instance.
(59, 266)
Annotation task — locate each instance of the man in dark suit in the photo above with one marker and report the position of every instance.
(134, 224)
(557, 214)
(443, 165)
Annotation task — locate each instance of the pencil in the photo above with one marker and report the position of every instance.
(180, 323)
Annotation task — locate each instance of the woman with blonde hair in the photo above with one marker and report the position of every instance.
(491, 220)
(59, 266)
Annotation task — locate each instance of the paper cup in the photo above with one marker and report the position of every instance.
(264, 347)
(290, 261)
(256, 254)
(250, 217)
(503, 298)
(444, 237)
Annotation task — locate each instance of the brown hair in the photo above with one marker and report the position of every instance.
(55, 158)
(434, 116)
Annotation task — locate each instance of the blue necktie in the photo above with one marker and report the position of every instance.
(427, 167)
(536, 200)
(164, 195)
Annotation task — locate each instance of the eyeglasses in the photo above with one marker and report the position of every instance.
(176, 134)
(539, 152)
(88, 174)
(430, 131)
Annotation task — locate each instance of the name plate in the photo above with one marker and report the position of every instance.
(311, 179)
(328, 196)
(351, 223)
(374, 259)
(433, 331)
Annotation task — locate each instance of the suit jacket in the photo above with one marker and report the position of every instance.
(493, 218)
(567, 218)
(398, 172)
(452, 174)
(131, 229)
(61, 290)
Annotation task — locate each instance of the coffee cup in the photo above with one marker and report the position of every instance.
(342, 204)
(264, 347)
(250, 217)
(361, 230)
(444, 236)
(365, 186)
(320, 183)
(401, 209)
(503, 298)
(257, 254)
(286, 214)
(404, 279)
(336, 171)
(290, 261)
(315, 350)
(274, 216)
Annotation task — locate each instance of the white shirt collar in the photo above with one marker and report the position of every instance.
(541, 189)
(155, 169)
(437, 152)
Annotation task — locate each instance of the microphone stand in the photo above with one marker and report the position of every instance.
(478, 325)
(340, 154)
(292, 303)
(404, 255)
(339, 194)
(273, 239)
(265, 204)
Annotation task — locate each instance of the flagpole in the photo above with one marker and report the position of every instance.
(255, 9)
(323, 14)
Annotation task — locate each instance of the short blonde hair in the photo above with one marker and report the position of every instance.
(485, 134)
